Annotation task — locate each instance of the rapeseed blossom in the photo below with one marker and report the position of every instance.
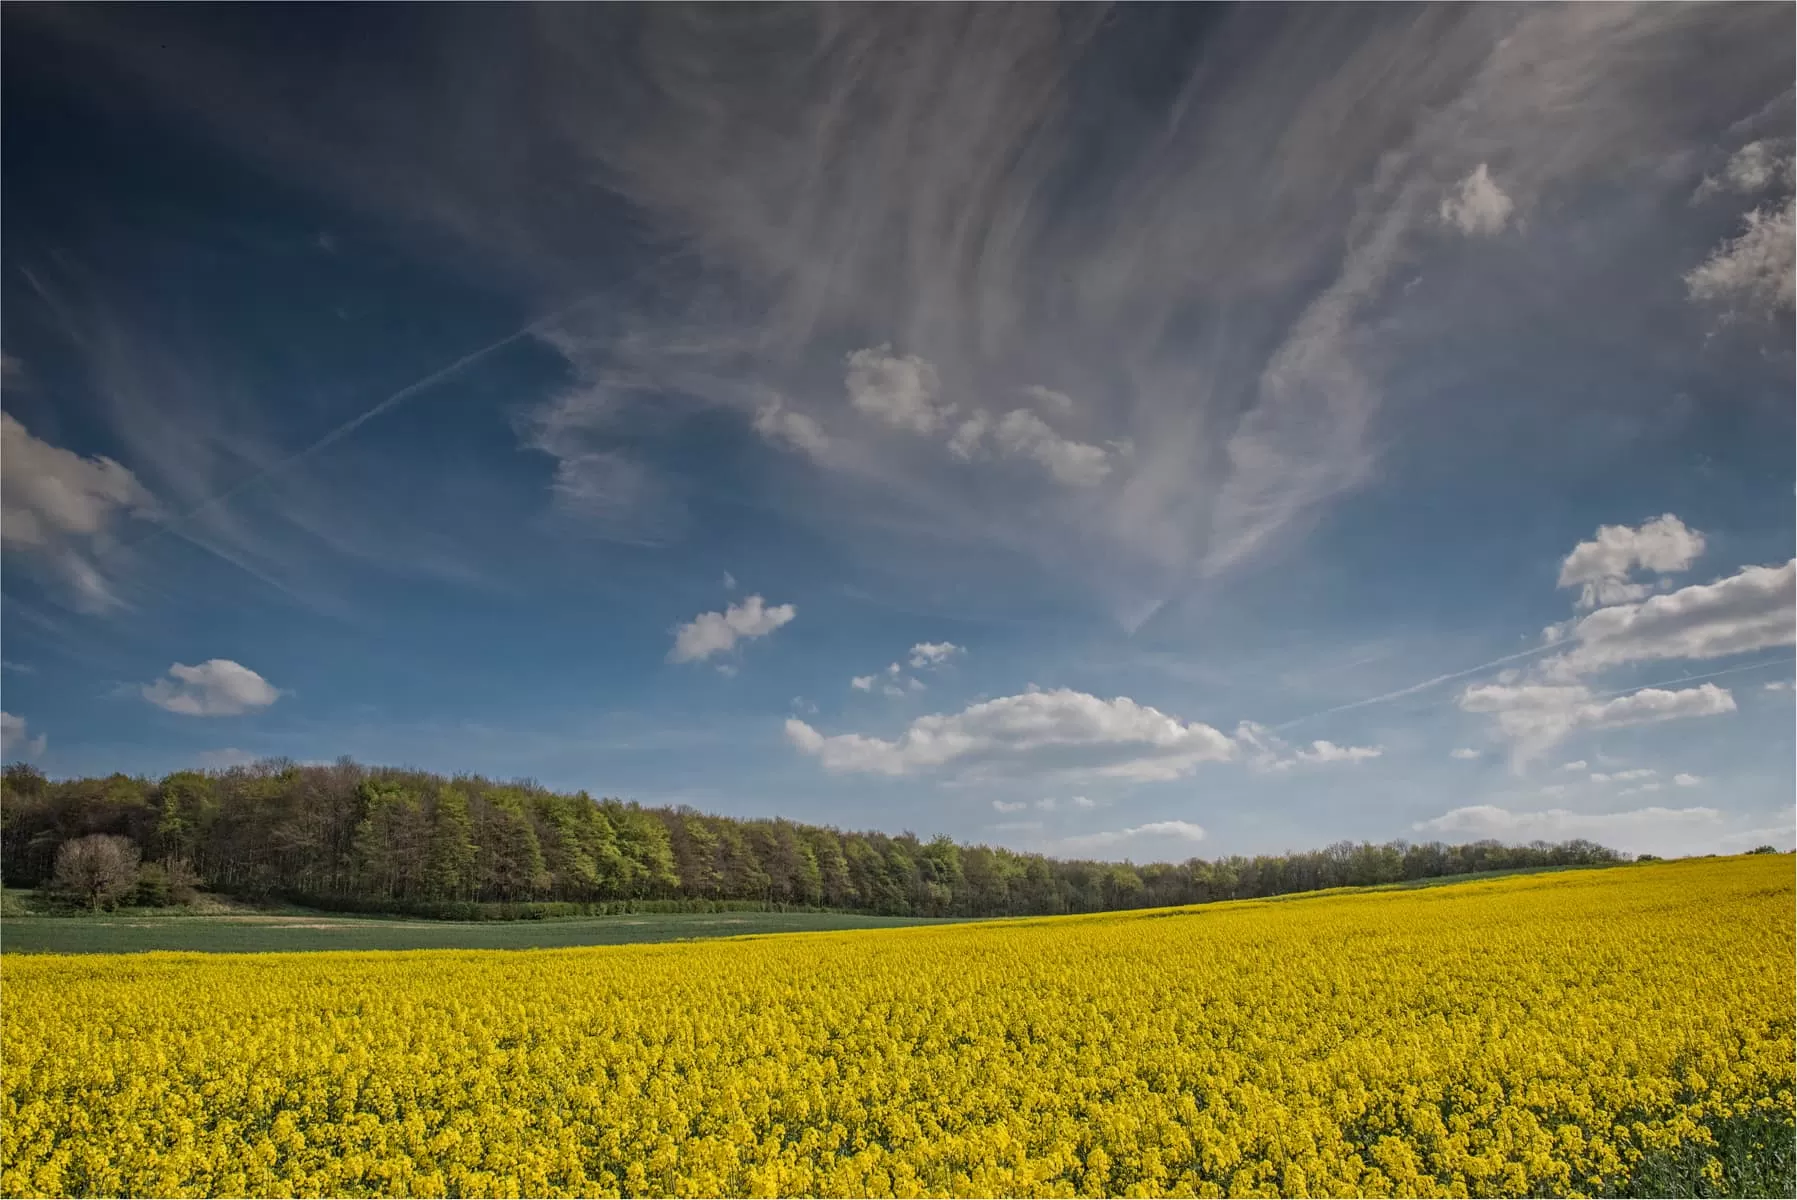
(1535, 1034)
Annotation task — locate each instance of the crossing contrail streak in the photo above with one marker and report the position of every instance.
(1418, 687)
(354, 423)
(1752, 666)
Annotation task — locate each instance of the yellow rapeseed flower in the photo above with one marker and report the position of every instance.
(1536, 1034)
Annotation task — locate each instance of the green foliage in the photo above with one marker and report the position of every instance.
(409, 841)
(1752, 1154)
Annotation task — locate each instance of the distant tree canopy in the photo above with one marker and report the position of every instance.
(380, 835)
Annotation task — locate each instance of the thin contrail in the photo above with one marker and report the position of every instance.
(1753, 666)
(356, 422)
(1417, 687)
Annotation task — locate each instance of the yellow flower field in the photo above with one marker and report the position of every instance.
(1526, 1035)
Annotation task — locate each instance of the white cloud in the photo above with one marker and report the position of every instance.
(1059, 402)
(1645, 787)
(713, 633)
(1035, 732)
(1623, 776)
(929, 654)
(1329, 752)
(1779, 685)
(1047, 804)
(1684, 779)
(901, 390)
(1173, 837)
(862, 683)
(224, 760)
(1536, 716)
(15, 739)
(1660, 830)
(1754, 609)
(1753, 168)
(58, 507)
(1577, 764)
(217, 687)
(619, 497)
(1083, 802)
(968, 436)
(1267, 751)
(1752, 272)
(789, 427)
(729, 582)
(1477, 205)
(28, 669)
(1022, 434)
(1601, 567)
(1463, 752)
(1010, 806)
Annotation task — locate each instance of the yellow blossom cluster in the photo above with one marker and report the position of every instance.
(1529, 1035)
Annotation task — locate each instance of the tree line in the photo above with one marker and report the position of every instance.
(389, 839)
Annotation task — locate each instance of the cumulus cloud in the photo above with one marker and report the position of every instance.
(1685, 779)
(929, 654)
(1329, 752)
(717, 632)
(969, 436)
(1463, 752)
(1623, 776)
(1171, 839)
(217, 687)
(729, 582)
(16, 741)
(1010, 806)
(1638, 830)
(862, 683)
(1477, 205)
(900, 390)
(1267, 751)
(1058, 402)
(1577, 764)
(1779, 685)
(1536, 716)
(1751, 273)
(1022, 434)
(1753, 168)
(1032, 733)
(59, 507)
(791, 428)
(224, 760)
(1754, 609)
(1601, 566)
(1083, 802)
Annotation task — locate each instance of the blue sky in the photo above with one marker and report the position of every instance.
(1147, 432)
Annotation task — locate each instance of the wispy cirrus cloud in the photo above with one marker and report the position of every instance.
(877, 215)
